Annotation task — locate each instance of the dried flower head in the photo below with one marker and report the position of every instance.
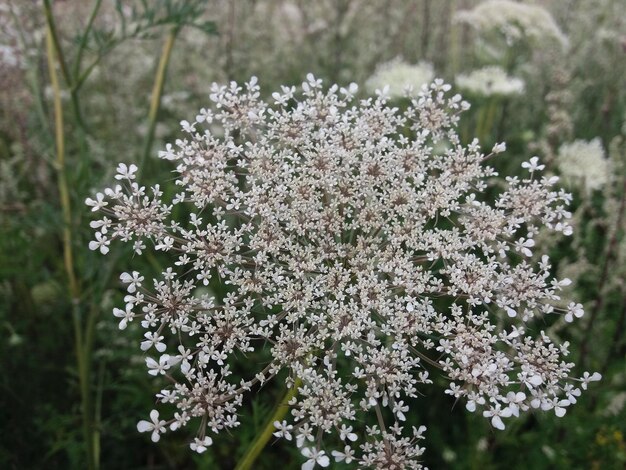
(354, 254)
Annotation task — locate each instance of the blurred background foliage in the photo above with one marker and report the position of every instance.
(72, 388)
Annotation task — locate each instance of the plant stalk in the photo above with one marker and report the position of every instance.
(262, 439)
(157, 92)
(68, 256)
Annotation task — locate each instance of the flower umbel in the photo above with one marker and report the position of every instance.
(335, 226)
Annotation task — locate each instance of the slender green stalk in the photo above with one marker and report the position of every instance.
(262, 439)
(54, 37)
(157, 92)
(68, 256)
(65, 71)
(83, 42)
(486, 117)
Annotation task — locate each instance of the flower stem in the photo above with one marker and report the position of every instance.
(65, 72)
(262, 439)
(157, 92)
(68, 256)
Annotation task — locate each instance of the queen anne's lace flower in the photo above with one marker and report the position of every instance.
(583, 162)
(400, 77)
(490, 81)
(357, 255)
(514, 20)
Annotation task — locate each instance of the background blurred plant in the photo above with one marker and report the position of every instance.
(574, 90)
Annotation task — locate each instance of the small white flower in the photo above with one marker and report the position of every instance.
(574, 310)
(399, 408)
(126, 172)
(304, 434)
(346, 456)
(346, 433)
(201, 445)
(156, 426)
(514, 400)
(586, 378)
(101, 242)
(496, 414)
(315, 456)
(133, 280)
(533, 165)
(103, 224)
(152, 339)
(125, 315)
(98, 203)
(160, 367)
(524, 245)
(499, 148)
(187, 126)
(166, 244)
(510, 312)
(138, 247)
(284, 430)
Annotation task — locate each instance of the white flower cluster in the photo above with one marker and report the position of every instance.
(355, 256)
(583, 162)
(490, 81)
(514, 20)
(400, 77)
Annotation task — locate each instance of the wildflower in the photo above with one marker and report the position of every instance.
(126, 316)
(96, 204)
(160, 367)
(346, 456)
(584, 163)
(101, 242)
(400, 77)
(284, 429)
(496, 413)
(315, 456)
(346, 433)
(156, 425)
(514, 20)
(133, 280)
(201, 445)
(586, 378)
(126, 172)
(321, 216)
(574, 310)
(490, 81)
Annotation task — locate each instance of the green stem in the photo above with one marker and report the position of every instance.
(63, 64)
(486, 118)
(157, 92)
(52, 31)
(66, 236)
(83, 41)
(262, 439)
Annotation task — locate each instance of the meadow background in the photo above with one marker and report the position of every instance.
(86, 84)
